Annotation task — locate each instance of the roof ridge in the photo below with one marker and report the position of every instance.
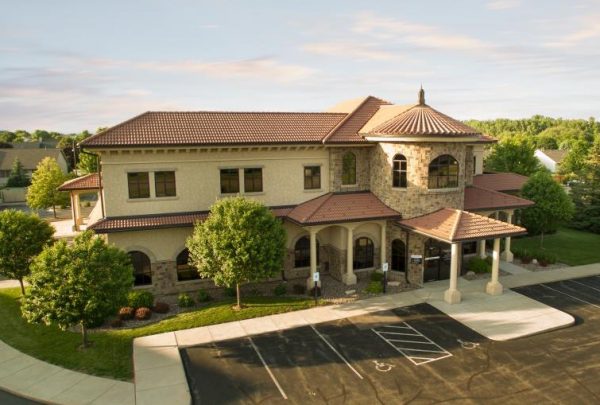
(394, 117)
(242, 112)
(342, 122)
(328, 196)
(456, 224)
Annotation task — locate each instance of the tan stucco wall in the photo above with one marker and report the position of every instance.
(158, 244)
(198, 180)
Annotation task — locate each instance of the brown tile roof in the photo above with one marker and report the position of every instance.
(217, 128)
(500, 181)
(556, 155)
(482, 199)
(145, 222)
(452, 225)
(347, 130)
(88, 182)
(341, 207)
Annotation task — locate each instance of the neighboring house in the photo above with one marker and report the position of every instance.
(363, 184)
(550, 158)
(29, 159)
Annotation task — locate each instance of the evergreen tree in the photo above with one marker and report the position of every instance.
(17, 177)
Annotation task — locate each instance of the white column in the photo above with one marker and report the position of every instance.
(383, 243)
(507, 255)
(349, 278)
(76, 202)
(313, 258)
(494, 287)
(73, 212)
(452, 295)
(481, 249)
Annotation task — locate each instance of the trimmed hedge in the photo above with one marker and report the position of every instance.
(185, 301)
(479, 265)
(139, 299)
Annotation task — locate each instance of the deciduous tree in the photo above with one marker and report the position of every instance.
(516, 154)
(585, 192)
(43, 192)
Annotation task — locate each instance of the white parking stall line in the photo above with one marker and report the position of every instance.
(336, 352)
(401, 345)
(281, 391)
(585, 285)
(569, 295)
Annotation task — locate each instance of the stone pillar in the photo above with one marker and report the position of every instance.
(452, 295)
(313, 258)
(383, 242)
(481, 249)
(349, 278)
(75, 227)
(494, 287)
(507, 255)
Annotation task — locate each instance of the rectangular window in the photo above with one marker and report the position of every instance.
(312, 177)
(139, 185)
(4, 173)
(165, 184)
(253, 180)
(230, 181)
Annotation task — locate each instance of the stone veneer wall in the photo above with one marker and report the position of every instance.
(362, 169)
(416, 199)
(469, 167)
(416, 247)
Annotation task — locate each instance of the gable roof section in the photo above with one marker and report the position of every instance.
(556, 155)
(217, 128)
(347, 131)
(28, 157)
(481, 199)
(88, 182)
(452, 225)
(500, 181)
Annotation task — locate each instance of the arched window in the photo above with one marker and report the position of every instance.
(349, 169)
(185, 271)
(364, 252)
(302, 252)
(398, 255)
(142, 272)
(399, 171)
(443, 172)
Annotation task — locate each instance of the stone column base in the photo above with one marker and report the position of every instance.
(452, 296)
(310, 284)
(507, 256)
(494, 288)
(349, 278)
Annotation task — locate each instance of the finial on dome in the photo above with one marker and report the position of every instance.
(421, 96)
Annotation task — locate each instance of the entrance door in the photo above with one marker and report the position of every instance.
(398, 255)
(437, 261)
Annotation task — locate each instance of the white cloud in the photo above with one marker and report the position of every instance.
(352, 50)
(588, 29)
(503, 4)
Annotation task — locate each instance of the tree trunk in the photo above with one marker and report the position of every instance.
(54, 210)
(237, 287)
(22, 286)
(84, 342)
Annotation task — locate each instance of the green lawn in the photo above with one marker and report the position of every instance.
(572, 247)
(111, 352)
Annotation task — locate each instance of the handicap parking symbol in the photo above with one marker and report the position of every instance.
(467, 345)
(383, 367)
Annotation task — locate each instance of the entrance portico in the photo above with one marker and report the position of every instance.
(454, 227)
(89, 183)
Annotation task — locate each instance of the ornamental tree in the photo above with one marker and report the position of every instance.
(43, 192)
(17, 176)
(241, 241)
(78, 284)
(515, 154)
(552, 205)
(22, 237)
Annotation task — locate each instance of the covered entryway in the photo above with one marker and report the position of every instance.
(437, 261)
(398, 255)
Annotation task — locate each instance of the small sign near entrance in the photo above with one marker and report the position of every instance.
(316, 276)
(385, 267)
(416, 259)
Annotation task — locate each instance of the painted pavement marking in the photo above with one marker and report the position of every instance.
(427, 352)
(585, 285)
(268, 369)
(336, 352)
(569, 295)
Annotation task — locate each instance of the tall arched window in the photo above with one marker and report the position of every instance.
(349, 169)
(185, 271)
(302, 252)
(398, 255)
(364, 252)
(399, 171)
(443, 172)
(142, 272)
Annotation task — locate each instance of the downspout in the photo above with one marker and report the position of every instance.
(99, 165)
(406, 258)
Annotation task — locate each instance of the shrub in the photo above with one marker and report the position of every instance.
(526, 256)
(311, 292)
(280, 290)
(229, 292)
(185, 301)
(161, 307)
(126, 313)
(517, 252)
(116, 323)
(376, 276)
(545, 258)
(143, 313)
(139, 299)
(203, 296)
(299, 289)
(374, 287)
(479, 265)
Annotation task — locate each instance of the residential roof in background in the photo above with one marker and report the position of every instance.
(481, 199)
(500, 181)
(28, 157)
(555, 154)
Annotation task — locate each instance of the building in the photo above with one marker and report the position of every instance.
(550, 159)
(363, 184)
(29, 158)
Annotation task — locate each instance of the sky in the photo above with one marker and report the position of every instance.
(72, 65)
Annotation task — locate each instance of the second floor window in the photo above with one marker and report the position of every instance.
(253, 180)
(349, 169)
(164, 183)
(399, 172)
(312, 177)
(230, 181)
(139, 185)
(443, 172)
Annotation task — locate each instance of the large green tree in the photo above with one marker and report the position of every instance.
(516, 154)
(552, 205)
(585, 191)
(43, 192)
(575, 159)
(240, 242)
(78, 284)
(87, 163)
(17, 177)
(22, 237)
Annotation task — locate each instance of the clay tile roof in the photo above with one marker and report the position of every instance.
(347, 130)
(217, 128)
(341, 207)
(452, 225)
(88, 182)
(556, 155)
(500, 181)
(481, 199)
(176, 220)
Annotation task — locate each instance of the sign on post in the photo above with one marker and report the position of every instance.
(385, 267)
(316, 276)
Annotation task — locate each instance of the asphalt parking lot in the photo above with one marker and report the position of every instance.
(409, 355)
(10, 399)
